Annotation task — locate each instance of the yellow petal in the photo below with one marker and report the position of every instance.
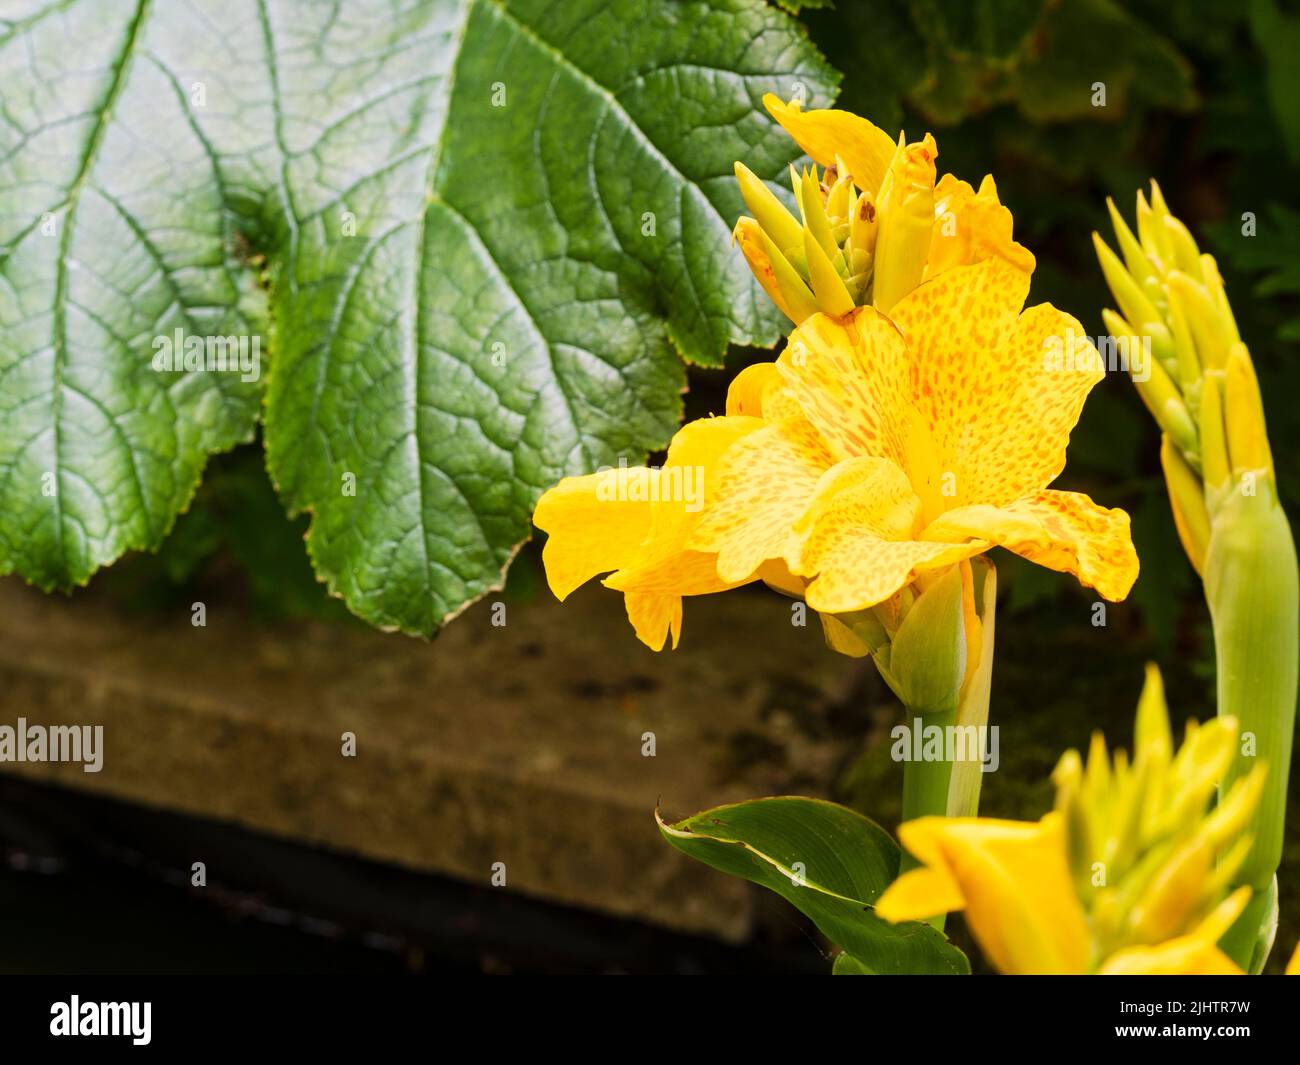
(970, 227)
(636, 521)
(1293, 966)
(824, 134)
(672, 571)
(686, 485)
(851, 376)
(855, 537)
(850, 540)
(1064, 531)
(919, 895)
(764, 485)
(590, 529)
(855, 570)
(745, 393)
(1020, 900)
(1014, 882)
(1000, 392)
(653, 616)
(874, 489)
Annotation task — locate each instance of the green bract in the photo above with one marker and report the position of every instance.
(466, 236)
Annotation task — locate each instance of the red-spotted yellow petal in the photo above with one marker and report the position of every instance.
(765, 483)
(1064, 531)
(1000, 392)
(855, 538)
(686, 485)
(745, 393)
(970, 227)
(855, 569)
(851, 377)
(824, 134)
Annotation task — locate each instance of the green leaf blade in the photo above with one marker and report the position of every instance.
(830, 863)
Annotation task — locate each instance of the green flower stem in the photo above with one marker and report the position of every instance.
(926, 783)
(973, 710)
(1253, 590)
(951, 787)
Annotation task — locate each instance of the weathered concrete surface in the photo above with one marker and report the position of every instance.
(519, 744)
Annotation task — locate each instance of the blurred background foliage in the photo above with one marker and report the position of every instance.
(1204, 96)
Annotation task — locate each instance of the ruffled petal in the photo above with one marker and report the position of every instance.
(855, 569)
(745, 393)
(970, 227)
(687, 484)
(1064, 531)
(855, 538)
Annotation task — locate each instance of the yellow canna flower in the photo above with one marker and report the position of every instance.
(872, 226)
(891, 449)
(1129, 873)
(871, 455)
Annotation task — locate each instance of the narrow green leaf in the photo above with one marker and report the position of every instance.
(829, 862)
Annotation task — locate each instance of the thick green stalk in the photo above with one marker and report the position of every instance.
(926, 782)
(950, 787)
(973, 710)
(1253, 590)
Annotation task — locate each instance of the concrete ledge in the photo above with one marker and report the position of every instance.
(519, 744)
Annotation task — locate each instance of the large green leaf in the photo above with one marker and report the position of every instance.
(828, 861)
(474, 233)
